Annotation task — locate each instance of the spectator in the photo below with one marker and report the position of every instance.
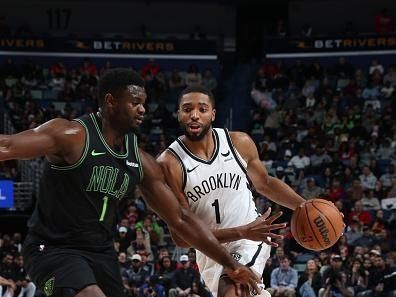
(9, 287)
(183, 279)
(366, 239)
(198, 290)
(58, 69)
(150, 226)
(356, 192)
(386, 177)
(283, 280)
(383, 23)
(135, 276)
(390, 77)
(309, 282)
(146, 262)
(341, 247)
(176, 81)
(376, 66)
(300, 161)
(209, 81)
(267, 272)
(287, 177)
(337, 286)
(166, 271)
(123, 261)
(392, 190)
(87, 68)
(378, 283)
(152, 288)
(123, 239)
(312, 191)
(354, 231)
(192, 257)
(278, 256)
(334, 269)
(343, 69)
(367, 178)
(359, 214)
(379, 223)
(141, 243)
(8, 268)
(319, 159)
(359, 276)
(193, 76)
(369, 201)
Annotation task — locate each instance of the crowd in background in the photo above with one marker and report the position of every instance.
(328, 132)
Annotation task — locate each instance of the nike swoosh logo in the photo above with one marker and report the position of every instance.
(225, 154)
(93, 153)
(192, 169)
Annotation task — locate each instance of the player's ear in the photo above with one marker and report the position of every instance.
(213, 115)
(109, 99)
(178, 115)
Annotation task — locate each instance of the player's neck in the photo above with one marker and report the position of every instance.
(114, 137)
(203, 148)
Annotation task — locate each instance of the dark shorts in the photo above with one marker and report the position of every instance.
(52, 268)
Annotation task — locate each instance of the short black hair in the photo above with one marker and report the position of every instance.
(115, 80)
(197, 89)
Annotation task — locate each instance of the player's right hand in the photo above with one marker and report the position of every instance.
(245, 277)
(261, 229)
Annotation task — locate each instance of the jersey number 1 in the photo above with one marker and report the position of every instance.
(104, 208)
(215, 204)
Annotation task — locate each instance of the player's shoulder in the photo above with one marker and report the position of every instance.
(60, 126)
(239, 137)
(166, 158)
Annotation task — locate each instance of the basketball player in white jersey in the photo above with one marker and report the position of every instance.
(208, 170)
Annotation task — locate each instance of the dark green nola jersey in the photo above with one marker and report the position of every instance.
(77, 206)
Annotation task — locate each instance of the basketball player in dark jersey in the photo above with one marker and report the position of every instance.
(92, 163)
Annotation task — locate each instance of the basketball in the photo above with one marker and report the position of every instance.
(317, 224)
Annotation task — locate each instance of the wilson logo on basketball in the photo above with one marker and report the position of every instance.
(322, 229)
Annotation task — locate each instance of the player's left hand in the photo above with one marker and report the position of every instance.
(261, 229)
(242, 290)
(246, 278)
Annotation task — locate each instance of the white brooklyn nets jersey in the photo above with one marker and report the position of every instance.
(218, 191)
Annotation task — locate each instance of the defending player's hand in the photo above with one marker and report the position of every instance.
(245, 277)
(261, 229)
(242, 290)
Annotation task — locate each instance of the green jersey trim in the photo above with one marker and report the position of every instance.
(82, 158)
(135, 143)
(104, 141)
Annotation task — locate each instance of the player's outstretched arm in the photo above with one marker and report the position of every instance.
(54, 138)
(182, 221)
(271, 187)
(258, 230)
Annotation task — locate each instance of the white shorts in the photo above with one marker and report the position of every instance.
(250, 253)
